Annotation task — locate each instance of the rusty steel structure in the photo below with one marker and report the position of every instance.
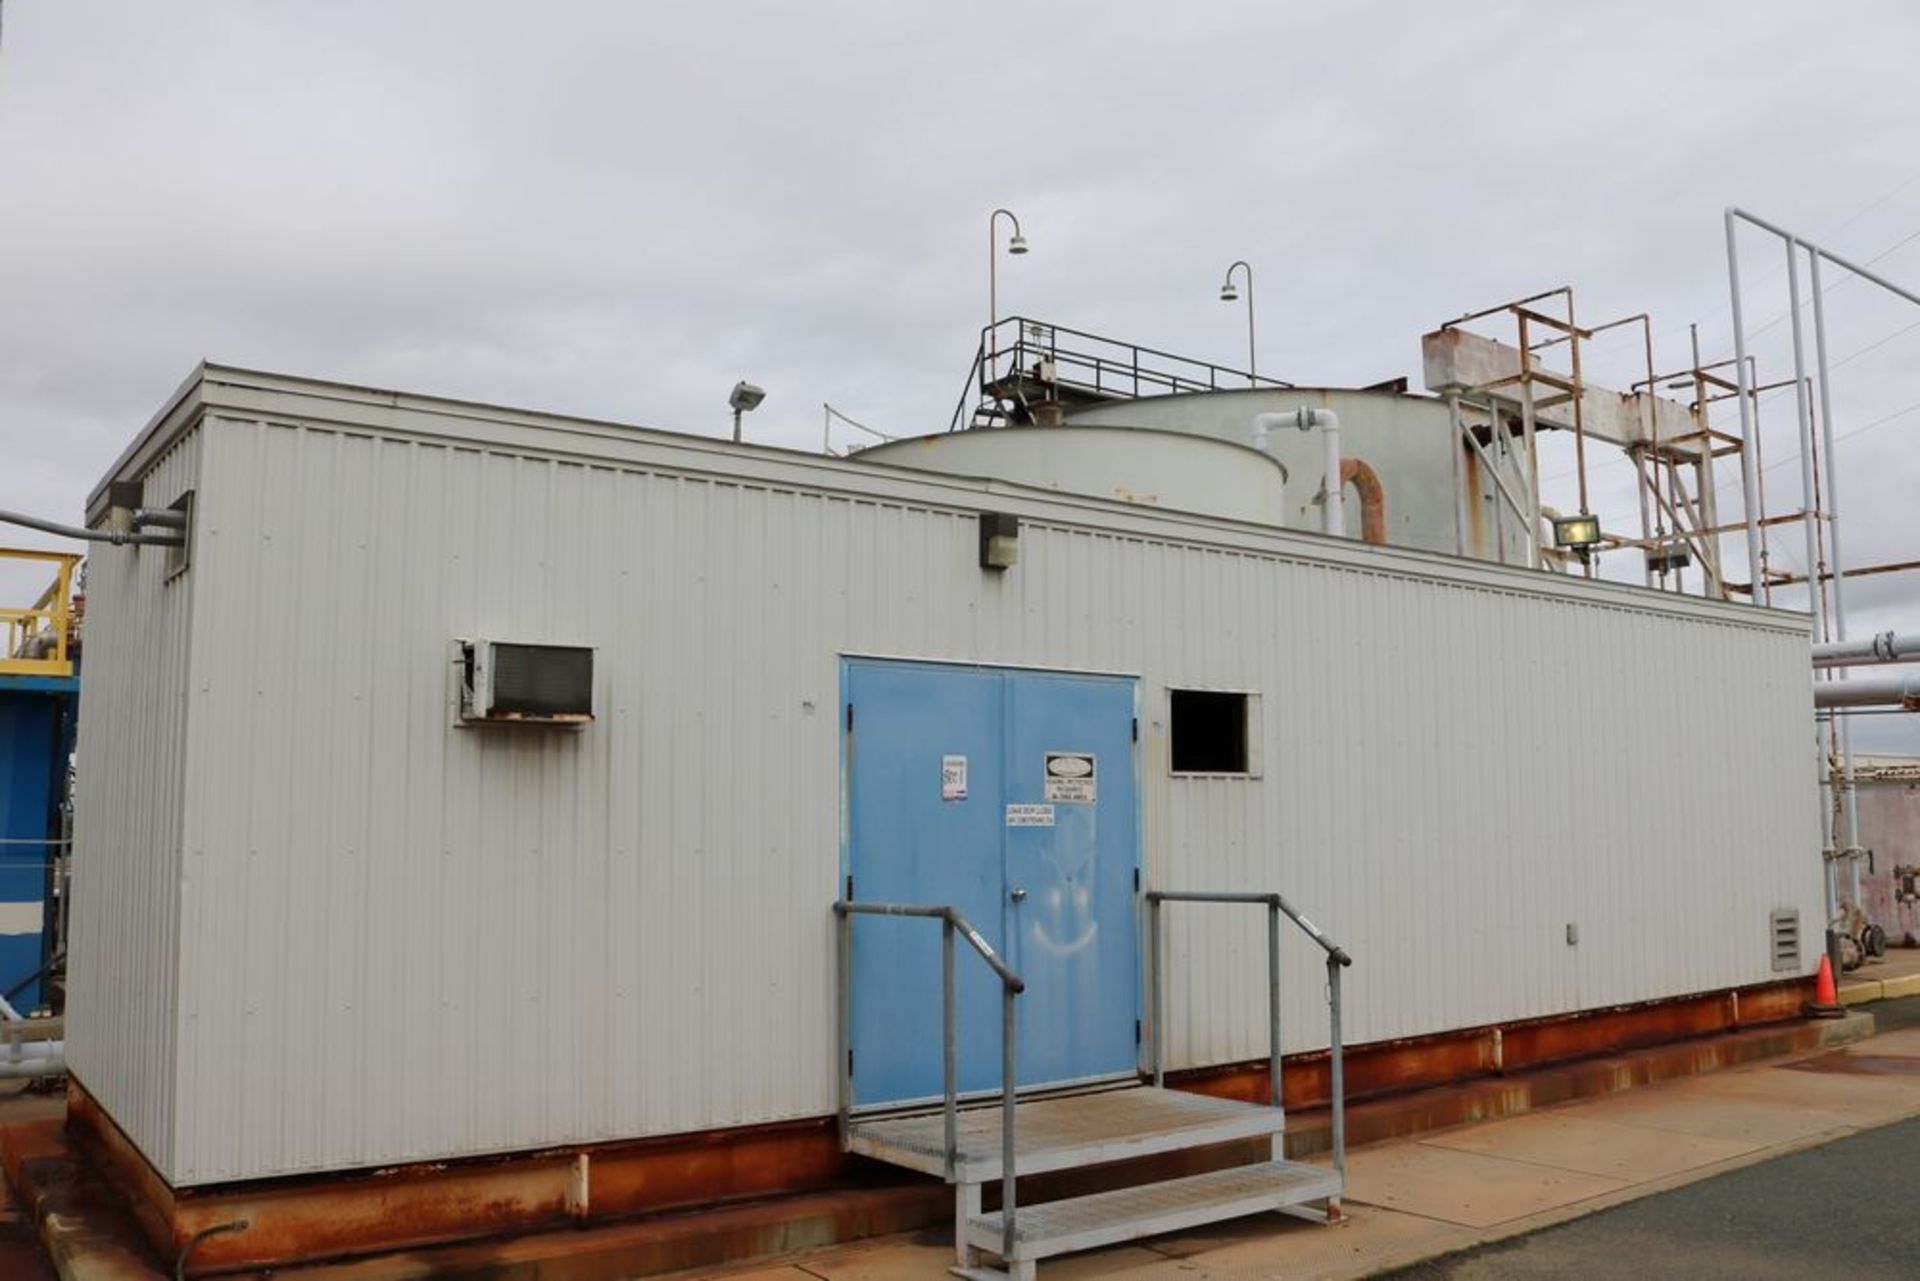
(1503, 393)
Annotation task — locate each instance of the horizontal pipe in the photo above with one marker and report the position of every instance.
(1734, 211)
(33, 1058)
(1883, 647)
(114, 536)
(1897, 690)
(165, 517)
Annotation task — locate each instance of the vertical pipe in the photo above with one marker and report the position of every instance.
(1709, 497)
(844, 934)
(1158, 1013)
(1646, 525)
(1252, 369)
(1587, 557)
(1760, 486)
(1337, 1068)
(1007, 1190)
(1809, 519)
(1850, 801)
(1527, 433)
(952, 1117)
(1756, 570)
(1274, 1096)
(1459, 477)
(1336, 510)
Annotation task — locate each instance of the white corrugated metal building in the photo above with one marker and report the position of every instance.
(319, 926)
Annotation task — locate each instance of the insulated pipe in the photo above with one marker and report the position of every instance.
(34, 1058)
(1884, 647)
(1373, 498)
(1897, 690)
(114, 536)
(1307, 419)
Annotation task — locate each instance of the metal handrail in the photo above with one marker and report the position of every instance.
(1337, 960)
(1123, 359)
(1011, 985)
(49, 620)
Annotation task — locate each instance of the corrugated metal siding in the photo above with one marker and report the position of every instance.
(128, 824)
(403, 940)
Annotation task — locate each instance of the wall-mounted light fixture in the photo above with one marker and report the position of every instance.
(999, 540)
(745, 398)
(1577, 534)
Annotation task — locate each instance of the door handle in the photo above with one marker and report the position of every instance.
(1018, 893)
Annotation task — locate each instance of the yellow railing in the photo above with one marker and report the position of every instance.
(40, 637)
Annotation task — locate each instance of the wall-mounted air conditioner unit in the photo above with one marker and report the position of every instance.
(498, 683)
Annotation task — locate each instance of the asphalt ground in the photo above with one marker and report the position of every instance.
(1847, 1209)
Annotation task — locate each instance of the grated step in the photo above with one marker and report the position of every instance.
(1127, 1214)
(1066, 1132)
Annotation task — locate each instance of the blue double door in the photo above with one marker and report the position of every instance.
(1010, 795)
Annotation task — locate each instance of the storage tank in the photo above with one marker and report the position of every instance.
(1405, 441)
(1179, 471)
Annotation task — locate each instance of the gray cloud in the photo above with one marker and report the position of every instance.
(618, 209)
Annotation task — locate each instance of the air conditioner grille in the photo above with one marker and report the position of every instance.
(542, 680)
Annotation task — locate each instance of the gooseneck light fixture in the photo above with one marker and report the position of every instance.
(1230, 294)
(1016, 245)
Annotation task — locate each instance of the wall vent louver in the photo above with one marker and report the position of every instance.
(1786, 939)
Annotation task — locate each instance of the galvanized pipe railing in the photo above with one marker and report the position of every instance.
(1337, 960)
(1011, 985)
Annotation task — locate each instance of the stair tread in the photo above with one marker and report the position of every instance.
(1067, 1131)
(1129, 1213)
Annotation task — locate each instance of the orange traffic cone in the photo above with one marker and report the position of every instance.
(1826, 1001)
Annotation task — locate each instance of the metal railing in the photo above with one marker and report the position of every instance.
(1011, 985)
(1019, 349)
(40, 637)
(1337, 960)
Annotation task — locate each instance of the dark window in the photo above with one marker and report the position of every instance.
(1209, 732)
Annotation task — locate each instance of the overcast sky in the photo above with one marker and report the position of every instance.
(619, 209)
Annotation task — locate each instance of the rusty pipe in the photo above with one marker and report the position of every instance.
(1373, 498)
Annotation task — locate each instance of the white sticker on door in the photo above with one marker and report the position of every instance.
(953, 778)
(1029, 816)
(1070, 777)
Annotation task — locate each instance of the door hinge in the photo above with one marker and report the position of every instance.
(850, 1061)
(1136, 729)
(1136, 880)
(849, 717)
(1136, 1031)
(849, 887)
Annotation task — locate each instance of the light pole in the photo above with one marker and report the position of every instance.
(1228, 294)
(1016, 245)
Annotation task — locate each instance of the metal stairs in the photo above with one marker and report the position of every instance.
(1082, 1130)
(1010, 1136)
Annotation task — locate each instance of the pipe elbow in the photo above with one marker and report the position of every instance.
(1373, 498)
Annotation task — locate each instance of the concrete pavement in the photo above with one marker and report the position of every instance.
(1843, 1209)
(1453, 1189)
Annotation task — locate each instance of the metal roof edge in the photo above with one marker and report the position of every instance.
(252, 394)
(174, 417)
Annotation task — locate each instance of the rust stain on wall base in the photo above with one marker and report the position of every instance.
(431, 1204)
